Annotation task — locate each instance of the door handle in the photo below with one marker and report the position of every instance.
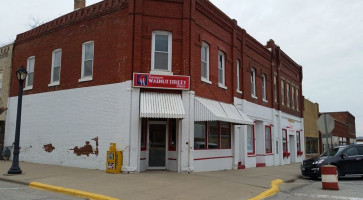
(358, 159)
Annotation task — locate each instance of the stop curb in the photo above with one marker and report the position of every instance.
(69, 191)
(273, 190)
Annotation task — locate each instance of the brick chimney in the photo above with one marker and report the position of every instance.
(78, 4)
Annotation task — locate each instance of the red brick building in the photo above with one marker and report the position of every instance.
(242, 107)
(344, 132)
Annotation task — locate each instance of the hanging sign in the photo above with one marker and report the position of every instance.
(161, 81)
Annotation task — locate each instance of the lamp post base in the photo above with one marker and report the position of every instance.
(14, 170)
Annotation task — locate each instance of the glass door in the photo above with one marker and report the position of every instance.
(157, 145)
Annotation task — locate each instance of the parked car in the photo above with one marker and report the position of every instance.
(348, 160)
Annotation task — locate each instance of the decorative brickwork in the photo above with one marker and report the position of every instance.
(96, 10)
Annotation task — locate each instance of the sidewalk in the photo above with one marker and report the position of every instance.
(156, 185)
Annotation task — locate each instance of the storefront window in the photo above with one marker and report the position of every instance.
(143, 134)
(342, 141)
(213, 136)
(311, 145)
(172, 134)
(284, 140)
(200, 135)
(214, 133)
(250, 139)
(268, 141)
(298, 141)
(225, 135)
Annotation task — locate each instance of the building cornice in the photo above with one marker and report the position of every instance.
(77, 16)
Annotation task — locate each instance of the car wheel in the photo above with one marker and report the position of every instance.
(338, 172)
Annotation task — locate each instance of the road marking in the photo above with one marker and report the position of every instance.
(273, 190)
(321, 196)
(10, 188)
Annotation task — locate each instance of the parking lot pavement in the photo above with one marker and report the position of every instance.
(350, 188)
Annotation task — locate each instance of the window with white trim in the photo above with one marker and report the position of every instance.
(238, 77)
(264, 87)
(253, 82)
(87, 60)
(268, 139)
(221, 68)
(56, 66)
(161, 51)
(282, 92)
(250, 139)
(205, 62)
(30, 77)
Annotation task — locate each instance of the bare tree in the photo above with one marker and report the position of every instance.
(34, 22)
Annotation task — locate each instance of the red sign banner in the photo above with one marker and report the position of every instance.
(161, 81)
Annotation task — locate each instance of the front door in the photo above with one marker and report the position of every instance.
(157, 145)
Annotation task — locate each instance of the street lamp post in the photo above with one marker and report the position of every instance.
(15, 169)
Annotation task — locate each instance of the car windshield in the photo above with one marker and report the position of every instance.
(333, 152)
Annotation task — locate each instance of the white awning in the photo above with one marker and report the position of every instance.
(161, 105)
(210, 110)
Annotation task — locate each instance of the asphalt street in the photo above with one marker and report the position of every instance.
(350, 188)
(13, 191)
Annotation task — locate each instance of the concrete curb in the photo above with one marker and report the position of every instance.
(69, 191)
(273, 190)
(14, 181)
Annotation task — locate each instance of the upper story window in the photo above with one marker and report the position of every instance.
(297, 99)
(275, 88)
(87, 61)
(161, 51)
(282, 92)
(30, 77)
(292, 97)
(288, 94)
(221, 69)
(205, 62)
(253, 82)
(238, 77)
(1, 82)
(56, 67)
(264, 87)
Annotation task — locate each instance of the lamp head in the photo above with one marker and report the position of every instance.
(21, 73)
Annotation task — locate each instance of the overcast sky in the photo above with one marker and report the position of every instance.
(325, 37)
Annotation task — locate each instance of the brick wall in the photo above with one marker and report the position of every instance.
(341, 129)
(104, 26)
(346, 118)
(122, 34)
